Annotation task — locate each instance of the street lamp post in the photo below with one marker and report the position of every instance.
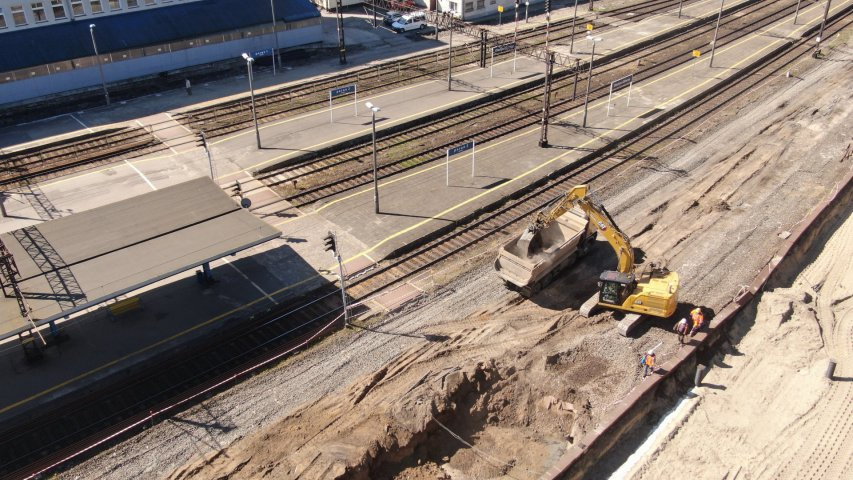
(526, 10)
(594, 40)
(277, 55)
(100, 67)
(249, 62)
(680, 4)
(717, 29)
(373, 109)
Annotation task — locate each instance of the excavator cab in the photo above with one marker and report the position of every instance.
(614, 287)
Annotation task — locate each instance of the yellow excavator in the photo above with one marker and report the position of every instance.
(652, 291)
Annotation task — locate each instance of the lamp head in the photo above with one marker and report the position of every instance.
(91, 26)
(248, 58)
(368, 104)
(375, 109)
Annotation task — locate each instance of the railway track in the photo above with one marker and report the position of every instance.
(173, 384)
(337, 171)
(58, 157)
(235, 115)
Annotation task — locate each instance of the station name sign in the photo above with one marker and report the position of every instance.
(337, 92)
(460, 148)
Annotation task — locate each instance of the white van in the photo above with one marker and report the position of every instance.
(411, 21)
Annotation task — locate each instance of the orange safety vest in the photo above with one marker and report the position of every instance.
(650, 360)
(698, 318)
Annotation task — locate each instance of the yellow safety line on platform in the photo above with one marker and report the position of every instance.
(401, 232)
(246, 132)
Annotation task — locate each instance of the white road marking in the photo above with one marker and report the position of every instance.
(80, 122)
(179, 123)
(158, 138)
(250, 281)
(141, 175)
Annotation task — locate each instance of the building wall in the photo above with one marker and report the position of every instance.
(19, 14)
(83, 73)
(474, 9)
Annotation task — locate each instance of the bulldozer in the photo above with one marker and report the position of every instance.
(651, 291)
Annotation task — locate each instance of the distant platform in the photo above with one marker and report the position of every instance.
(73, 263)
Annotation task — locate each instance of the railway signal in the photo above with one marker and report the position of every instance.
(329, 243)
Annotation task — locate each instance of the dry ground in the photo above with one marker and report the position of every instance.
(475, 383)
(768, 404)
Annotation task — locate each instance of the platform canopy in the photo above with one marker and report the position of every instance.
(72, 263)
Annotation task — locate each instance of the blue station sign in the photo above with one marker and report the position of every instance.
(267, 52)
(460, 148)
(336, 92)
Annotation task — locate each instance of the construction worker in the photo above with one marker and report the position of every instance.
(648, 363)
(681, 328)
(698, 320)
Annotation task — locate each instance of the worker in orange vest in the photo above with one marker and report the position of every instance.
(648, 363)
(698, 320)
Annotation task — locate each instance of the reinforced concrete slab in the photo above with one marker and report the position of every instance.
(72, 263)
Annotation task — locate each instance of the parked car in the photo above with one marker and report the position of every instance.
(411, 21)
(391, 16)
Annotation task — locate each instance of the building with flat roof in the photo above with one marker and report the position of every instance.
(48, 47)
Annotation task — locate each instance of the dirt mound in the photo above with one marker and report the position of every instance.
(502, 396)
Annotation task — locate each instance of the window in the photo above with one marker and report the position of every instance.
(18, 15)
(96, 6)
(454, 6)
(115, 5)
(58, 9)
(77, 8)
(150, 2)
(469, 6)
(132, 3)
(38, 12)
(492, 2)
(2, 19)
(481, 4)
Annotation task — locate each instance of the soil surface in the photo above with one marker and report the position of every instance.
(475, 382)
(767, 403)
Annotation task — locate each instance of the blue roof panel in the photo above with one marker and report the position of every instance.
(67, 40)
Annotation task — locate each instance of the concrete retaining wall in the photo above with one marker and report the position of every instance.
(632, 410)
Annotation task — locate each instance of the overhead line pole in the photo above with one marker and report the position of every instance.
(449, 57)
(342, 47)
(546, 107)
(822, 27)
(277, 55)
(574, 19)
(716, 30)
